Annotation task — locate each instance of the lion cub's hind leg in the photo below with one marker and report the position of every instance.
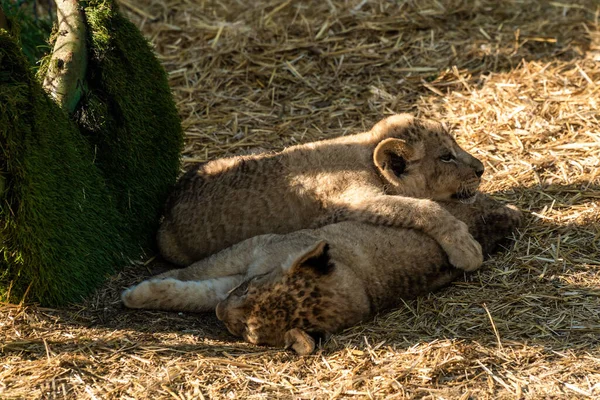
(174, 295)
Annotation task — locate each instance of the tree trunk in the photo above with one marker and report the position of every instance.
(66, 72)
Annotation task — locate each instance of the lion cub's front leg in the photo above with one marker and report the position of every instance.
(172, 294)
(200, 286)
(453, 235)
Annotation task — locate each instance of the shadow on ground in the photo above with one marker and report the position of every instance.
(543, 290)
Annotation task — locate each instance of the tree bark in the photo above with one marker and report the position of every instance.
(66, 72)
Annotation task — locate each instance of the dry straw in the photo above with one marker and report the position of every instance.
(520, 80)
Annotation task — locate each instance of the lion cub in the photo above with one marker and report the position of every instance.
(317, 281)
(391, 175)
(349, 272)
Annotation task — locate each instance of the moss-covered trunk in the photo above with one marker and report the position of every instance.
(3, 20)
(127, 113)
(60, 231)
(131, 119)
(83, 193)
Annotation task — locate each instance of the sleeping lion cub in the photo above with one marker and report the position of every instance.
(315, 282)
(391, 175)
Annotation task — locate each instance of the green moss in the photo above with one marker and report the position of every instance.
(60, 231)
(129, 116)
(32, 32)
(82, 196)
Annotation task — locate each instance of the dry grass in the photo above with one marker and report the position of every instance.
(520, 79)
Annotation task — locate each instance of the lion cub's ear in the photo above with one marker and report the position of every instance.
(315, 257)
(392, 155)
(300, 341)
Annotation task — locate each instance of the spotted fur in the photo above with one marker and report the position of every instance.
(371, 269)
(310, 283)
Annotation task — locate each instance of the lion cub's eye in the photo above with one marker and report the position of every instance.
(447, 158)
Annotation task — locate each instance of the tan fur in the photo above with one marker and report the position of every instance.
(359, 271)
(372, 268)
(386, 176)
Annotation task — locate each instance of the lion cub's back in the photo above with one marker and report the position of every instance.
(222, 202)
(392, 263)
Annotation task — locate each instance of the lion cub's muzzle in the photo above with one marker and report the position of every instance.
(468, 190)
(475, 165)
(465, 196)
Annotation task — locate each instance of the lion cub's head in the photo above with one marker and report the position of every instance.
(419, 158)
(291, 306)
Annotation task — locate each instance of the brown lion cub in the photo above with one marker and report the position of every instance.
(349, 272)
(391, 175)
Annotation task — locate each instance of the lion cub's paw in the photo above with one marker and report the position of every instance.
(464, 252)
(134, 296)
(144, 294)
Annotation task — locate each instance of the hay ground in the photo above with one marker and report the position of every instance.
(520, 80)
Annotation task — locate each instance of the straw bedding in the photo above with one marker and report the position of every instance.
(520, 81)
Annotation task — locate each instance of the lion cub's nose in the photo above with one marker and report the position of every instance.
(479, 169)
